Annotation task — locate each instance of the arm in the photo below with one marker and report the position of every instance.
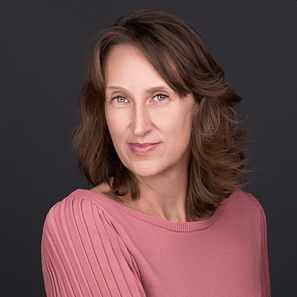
(265, 278)
(82, 254)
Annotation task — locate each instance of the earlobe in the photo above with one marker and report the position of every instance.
(196, 107)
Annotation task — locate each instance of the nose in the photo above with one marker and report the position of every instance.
(141, 123)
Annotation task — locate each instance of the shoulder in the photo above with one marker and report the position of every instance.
(73, 203)
(81, 209)
(81, 221)
(246, 199)
(246, 204)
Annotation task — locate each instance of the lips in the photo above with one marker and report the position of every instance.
(142, 148)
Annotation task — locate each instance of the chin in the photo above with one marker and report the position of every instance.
(145, 168)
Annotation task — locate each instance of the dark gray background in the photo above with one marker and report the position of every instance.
(43, 52)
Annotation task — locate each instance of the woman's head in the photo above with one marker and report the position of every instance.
(177, 58)
(149, 123)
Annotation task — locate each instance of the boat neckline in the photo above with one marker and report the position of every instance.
(176, 226)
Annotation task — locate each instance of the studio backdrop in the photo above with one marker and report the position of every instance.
(44, 46)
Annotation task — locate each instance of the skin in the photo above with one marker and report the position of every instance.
(141, 108)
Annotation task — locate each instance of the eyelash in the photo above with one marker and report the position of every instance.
(163, 95)
(158, 95)
(118, 97)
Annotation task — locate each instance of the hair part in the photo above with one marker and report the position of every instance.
(183, 60)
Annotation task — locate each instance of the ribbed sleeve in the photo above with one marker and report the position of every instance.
(82, 254)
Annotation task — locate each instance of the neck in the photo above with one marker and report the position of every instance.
(164, 195)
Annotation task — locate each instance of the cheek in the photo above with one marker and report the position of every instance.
(115, 133)
(177, 125)
(117, 125)
(112, 126)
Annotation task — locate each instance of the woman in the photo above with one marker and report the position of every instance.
(160, 142)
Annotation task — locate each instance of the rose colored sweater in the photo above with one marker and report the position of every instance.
(94, 246)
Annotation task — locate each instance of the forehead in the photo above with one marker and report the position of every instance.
(127, 65)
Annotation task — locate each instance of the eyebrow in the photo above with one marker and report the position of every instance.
(148, 90)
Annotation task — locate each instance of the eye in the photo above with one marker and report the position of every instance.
(160, 97)
(119, 99)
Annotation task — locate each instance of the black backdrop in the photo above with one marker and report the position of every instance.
(43, 52)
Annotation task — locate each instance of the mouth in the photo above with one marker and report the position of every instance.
(143, 148)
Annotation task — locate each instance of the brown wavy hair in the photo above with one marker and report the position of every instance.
(184, 61)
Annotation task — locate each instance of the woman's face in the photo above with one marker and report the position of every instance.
(150, 125)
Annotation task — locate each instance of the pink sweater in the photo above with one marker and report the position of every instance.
(94, 246)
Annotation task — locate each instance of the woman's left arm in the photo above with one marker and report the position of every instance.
(265, 277)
